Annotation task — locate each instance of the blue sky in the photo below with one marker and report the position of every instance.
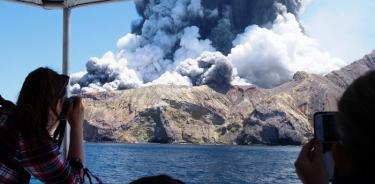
(31, 37)
(343, 27)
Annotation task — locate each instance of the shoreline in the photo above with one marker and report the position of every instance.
(189, 144)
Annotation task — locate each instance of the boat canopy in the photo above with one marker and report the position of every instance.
(62, 3)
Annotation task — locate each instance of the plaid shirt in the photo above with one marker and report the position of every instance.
(22, 154)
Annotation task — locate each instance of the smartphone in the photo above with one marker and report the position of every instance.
(325, 131)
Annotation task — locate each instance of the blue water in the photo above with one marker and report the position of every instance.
(122, 163)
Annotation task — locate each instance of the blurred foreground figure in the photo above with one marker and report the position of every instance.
(354, 152)
(160, 179)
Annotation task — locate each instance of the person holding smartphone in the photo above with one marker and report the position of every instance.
(26, 146)
(353, 151)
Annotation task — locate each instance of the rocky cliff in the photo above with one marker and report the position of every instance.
(218, 115)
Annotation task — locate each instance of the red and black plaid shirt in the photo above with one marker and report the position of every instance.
(23, 154)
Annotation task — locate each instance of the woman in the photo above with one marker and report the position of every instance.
(354, 153)
(26, 147)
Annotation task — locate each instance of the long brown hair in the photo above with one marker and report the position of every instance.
(40, 92)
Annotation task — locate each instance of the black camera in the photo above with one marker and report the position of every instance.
(58, 135)
(65, 109)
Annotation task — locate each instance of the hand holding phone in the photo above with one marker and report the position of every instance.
(309, 164)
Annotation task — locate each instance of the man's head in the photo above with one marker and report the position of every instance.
(356, 121)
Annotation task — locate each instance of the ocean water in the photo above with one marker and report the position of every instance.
(122, 163)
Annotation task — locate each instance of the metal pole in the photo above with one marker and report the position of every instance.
(65, 66)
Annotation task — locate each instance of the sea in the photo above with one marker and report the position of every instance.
(193, 164)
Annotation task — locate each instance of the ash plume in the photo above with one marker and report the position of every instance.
(198, 42)
(217, 20)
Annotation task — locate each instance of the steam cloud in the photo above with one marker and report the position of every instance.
(198, 42)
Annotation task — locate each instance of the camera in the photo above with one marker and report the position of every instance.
(58, 135)
(65, 108)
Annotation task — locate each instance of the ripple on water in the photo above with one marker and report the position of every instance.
(122, 163)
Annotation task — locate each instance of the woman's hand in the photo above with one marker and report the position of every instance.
(76, 112)
(75, 118)
(309, 164)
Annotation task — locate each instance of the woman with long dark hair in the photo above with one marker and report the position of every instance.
(26, 145)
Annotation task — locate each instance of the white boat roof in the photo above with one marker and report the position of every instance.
(62, 3)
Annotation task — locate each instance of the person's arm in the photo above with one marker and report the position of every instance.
(75, 118)
(41, 158)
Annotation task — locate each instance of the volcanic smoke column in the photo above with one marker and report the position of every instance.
(198, 42)
(218, 20)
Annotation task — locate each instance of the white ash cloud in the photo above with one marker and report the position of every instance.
(107, 73)
(269, 57)
(203, 42)
(191, 46)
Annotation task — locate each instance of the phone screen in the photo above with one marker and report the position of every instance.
(325, 131)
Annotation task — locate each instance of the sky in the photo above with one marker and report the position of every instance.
(31, 37)
(343, 27)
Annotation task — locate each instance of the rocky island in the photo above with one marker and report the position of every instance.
(218, 115)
